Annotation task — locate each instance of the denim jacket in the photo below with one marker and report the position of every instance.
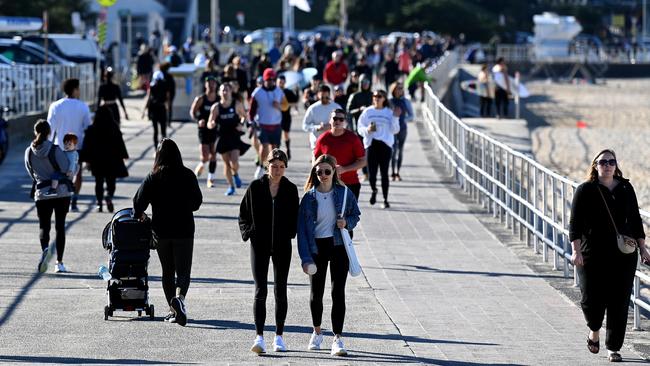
(307, 215)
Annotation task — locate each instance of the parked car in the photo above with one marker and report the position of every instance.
(25, 52)
(72, 47)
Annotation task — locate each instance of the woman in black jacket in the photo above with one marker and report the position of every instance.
(606, 274)
(174, 194)
(104, 153)
(268, 216)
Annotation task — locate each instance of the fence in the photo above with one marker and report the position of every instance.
(531, 200)
(30, 89)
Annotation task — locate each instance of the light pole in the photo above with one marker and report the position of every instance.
(344, 16)
(214, 19)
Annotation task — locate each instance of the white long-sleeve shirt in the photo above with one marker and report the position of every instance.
(387, 126)
(68, 115)
(316, 114)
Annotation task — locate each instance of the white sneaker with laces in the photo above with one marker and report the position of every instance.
(60, 268)
(258, 345)
(337, 347)
(315, 341)
(278, 344)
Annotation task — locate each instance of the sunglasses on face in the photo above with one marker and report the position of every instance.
(378, 96)
(321, 172)
(603, 162)
(338, 119)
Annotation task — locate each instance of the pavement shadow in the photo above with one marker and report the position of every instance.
(415, 268)
(89, 361)
(378, 357)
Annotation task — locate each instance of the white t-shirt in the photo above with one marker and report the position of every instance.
(266, 114)
(68, 115)
(387, 126)
(316, 114)
(326, 215)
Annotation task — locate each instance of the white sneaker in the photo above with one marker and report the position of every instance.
(278, 344)
(60, 268)
(258, 172)
(337, 347)
(315, 341)
(258, 346)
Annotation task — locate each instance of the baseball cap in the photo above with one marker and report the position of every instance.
(269, 74)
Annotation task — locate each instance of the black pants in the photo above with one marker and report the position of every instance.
(338, 259)
(158, 116)
(398, 151)
(99, 188)
(501, 101)
(606, 285)
(486, 106)
(355, 189)
(379, 155)
(44, 210)
(260, 264)
(176, 261)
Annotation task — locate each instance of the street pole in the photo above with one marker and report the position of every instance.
(645, 23)
(45, 31)
(214, 19)
(344, 16)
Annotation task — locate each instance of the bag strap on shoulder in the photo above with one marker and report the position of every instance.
(607, 207)
(345, 198)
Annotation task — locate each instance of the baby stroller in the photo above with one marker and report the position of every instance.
(128, 241)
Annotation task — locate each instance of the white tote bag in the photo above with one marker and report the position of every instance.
(355, 267)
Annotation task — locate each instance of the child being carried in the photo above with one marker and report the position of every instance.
(70, 149)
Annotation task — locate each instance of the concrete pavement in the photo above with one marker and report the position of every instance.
(438, 287)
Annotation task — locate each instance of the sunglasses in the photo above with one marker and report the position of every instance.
(338, 119)
(378, 96)
(603, 162)
(326, 172)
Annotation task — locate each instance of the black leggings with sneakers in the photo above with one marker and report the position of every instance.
(339, 264)
(379, 155)
(44, 210)
(99, 188)
(260, 259)
(176, 262)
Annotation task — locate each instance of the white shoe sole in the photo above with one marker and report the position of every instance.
(313, 348)
(279, 349)
(257, 349)
(339, 353)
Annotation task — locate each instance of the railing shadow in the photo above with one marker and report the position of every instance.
(87, 361)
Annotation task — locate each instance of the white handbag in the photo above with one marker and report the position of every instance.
(355, 267)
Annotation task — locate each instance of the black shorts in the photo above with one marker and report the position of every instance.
(207, 136)
(286, 121)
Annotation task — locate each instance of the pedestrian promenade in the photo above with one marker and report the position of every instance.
(438, 288)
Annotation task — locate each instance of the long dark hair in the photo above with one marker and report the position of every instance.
(42, 130)
(312, 180)
(104, 118)
(592, 173)
(168, 156)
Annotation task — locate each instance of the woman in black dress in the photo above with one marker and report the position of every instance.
(157, 102)
(606, 274)
(200, 111)
(104, 153)
(109, 93)
(226, 118)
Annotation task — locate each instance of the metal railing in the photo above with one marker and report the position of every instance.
(530, 199)
(30, 89)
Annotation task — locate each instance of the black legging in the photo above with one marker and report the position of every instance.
(379, 155)
(158, 116)
(398, 151)
(501, 101)
(260, 259)
(327, 252)
(99, 188)
(44, 210)
(176, 262)
(486, 106)
(606, 285)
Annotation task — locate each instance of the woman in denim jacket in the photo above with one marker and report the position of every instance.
(320, 243)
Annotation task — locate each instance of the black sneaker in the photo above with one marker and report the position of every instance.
(109, 205)
(170, 317)
(73, 205)
(180, 314)
(50, 192)
(373, 197)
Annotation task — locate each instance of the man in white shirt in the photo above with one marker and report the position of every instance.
(69, 115)
(316, 120)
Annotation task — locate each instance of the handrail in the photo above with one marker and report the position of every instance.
(527, 197)
(30, 89)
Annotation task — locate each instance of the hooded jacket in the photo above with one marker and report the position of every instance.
(43, 170)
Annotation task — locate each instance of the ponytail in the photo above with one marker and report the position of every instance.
(42, 131)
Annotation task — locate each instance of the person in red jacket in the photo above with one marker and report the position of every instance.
(346, 147)
(336, 71)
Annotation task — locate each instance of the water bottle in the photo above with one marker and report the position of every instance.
(104, 273)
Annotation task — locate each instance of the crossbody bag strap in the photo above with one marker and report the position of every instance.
(345, 198)
(607, 207)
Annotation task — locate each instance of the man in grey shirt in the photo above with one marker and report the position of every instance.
(317, 117)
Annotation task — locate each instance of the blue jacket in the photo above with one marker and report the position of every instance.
(307, 215)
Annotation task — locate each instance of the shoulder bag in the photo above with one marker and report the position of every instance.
(626, 244)
(355, 267)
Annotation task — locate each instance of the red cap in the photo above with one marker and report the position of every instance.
(268, 74)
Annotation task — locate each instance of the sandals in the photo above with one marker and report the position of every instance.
(615, 357)
(594, 346)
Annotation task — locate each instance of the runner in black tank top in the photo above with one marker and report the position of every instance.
(200, 111)
(227, 115)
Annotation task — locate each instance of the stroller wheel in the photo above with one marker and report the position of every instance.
(139, 312)
(151, 313)
(106, 312)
